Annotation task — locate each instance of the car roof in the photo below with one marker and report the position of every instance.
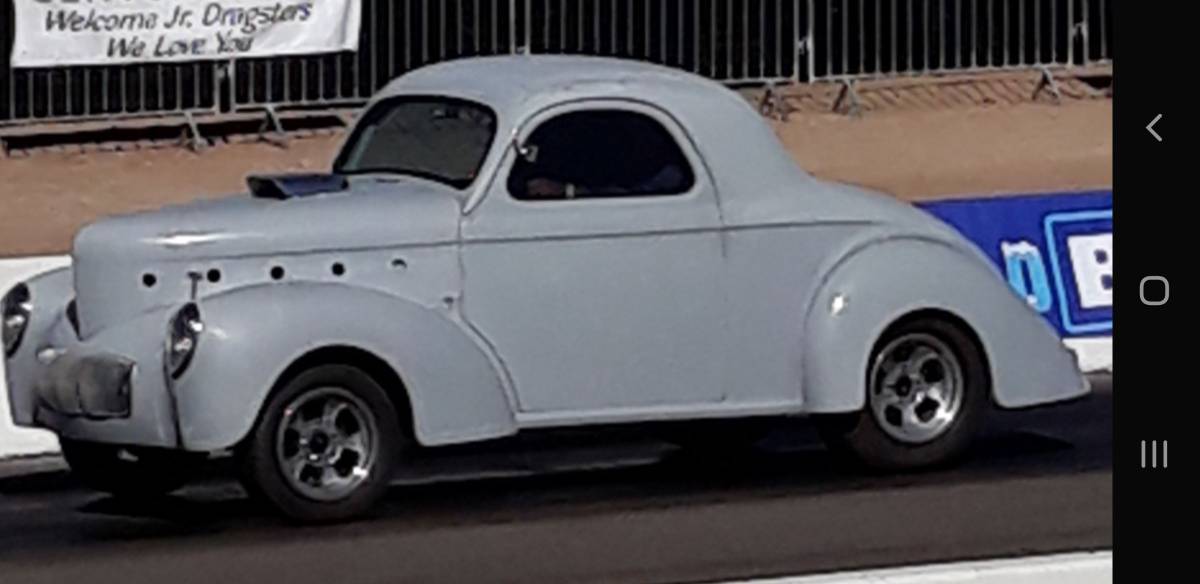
(512, 79)
(742, 152)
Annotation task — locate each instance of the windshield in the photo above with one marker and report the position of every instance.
(437, 138)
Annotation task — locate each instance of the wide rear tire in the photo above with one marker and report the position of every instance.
(928, 391)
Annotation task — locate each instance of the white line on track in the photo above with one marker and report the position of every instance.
(1073, 568)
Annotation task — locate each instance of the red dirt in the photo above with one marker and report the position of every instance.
(918, 155)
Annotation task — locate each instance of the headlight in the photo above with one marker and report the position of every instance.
(183, 332)
(16, 308)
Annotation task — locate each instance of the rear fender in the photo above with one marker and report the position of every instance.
(883, 280)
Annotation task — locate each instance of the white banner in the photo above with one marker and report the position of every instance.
(52, 33)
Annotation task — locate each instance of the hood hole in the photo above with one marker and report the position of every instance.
(214, 275)
(149, 280)
(338, 269)
(399, 263)
(277, 273)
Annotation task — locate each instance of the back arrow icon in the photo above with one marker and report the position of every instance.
(1150, 127)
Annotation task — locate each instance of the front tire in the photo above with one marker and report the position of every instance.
(325, 446)
(128, 472)
(927, 393)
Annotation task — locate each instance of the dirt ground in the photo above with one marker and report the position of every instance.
(957, 141)
(922, 155)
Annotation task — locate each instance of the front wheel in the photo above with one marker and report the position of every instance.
(927, 393)
(325, 446)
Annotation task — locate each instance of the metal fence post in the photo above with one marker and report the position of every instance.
(803, 43)
(528, 22)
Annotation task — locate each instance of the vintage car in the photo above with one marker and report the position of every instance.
(512, 243)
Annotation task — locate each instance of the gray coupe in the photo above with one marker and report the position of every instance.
(512, 243)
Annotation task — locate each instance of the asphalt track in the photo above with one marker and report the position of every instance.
(1039, 481)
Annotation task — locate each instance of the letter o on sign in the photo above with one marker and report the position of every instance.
(1166, 291)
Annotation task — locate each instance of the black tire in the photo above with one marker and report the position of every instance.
(128, 472)
(261, 467)
(862, 437)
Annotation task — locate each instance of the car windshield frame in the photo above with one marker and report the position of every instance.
(386, 106)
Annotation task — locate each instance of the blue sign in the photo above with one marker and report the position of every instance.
(1054, 248)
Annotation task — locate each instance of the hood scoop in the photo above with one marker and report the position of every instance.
(294, 186)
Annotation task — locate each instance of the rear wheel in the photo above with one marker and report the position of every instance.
(128, 472)
(927, 391)
(325, 447)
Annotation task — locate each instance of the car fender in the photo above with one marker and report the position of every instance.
(253, 334)
(882, 279)
(50, 291)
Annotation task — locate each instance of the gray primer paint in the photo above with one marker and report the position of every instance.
(500, 314)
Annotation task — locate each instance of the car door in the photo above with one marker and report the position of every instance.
(592, 266)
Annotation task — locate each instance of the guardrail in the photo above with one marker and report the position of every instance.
(735, 41)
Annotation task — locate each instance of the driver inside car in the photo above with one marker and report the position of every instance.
(665, 180)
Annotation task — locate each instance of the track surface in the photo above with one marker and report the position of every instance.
(1039, 481)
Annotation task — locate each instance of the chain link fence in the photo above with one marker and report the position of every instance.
(734, 41)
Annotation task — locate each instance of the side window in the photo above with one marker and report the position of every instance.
(600, 153)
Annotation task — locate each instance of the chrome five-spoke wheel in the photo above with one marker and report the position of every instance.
(927, 388)
(916, 388)
(325, 446)
(326, 443)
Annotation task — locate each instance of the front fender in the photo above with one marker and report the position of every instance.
(253, 334)
(50, 291)
(887, 278)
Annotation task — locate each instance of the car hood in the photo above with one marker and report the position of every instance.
(126, 265)
(370, 212)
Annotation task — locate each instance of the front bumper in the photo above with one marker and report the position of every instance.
(107, 388)
(90, 386)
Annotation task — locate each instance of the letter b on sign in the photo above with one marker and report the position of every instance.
(1092, 262)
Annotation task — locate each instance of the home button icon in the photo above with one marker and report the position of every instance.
(1154, 290)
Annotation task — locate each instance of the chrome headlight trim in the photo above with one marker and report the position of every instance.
(15, 311)
(183, 334)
